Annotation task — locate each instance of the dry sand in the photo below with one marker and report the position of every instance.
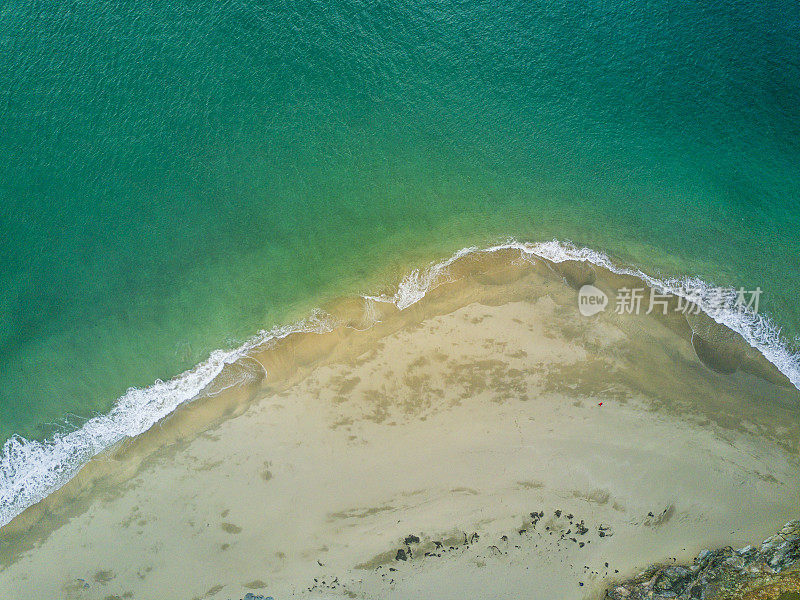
(457, 421)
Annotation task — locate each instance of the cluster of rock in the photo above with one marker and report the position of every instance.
(769, 572)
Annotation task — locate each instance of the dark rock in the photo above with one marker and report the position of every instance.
(411, 539)
(720, 574)
(401, 555)
(673, 579)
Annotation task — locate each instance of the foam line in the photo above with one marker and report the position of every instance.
(30, 470)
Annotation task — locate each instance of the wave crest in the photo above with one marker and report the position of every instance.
(30, 470)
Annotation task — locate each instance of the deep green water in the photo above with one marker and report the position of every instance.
(176, 176)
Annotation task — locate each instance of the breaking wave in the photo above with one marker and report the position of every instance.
(30, 470)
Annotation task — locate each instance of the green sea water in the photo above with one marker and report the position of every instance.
(176, 176)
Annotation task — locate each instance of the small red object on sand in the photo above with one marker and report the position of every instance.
(601, 404)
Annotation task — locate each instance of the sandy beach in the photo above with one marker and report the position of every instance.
(488, 441)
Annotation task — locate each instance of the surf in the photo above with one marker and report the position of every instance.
(30, 470)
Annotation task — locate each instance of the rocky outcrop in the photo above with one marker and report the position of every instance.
(771, 572)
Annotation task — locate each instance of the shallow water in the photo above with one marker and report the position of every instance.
(441, 419)
(174, 179)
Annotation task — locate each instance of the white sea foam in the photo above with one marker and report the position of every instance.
(30, 470)
(419, 282)
(759, 331)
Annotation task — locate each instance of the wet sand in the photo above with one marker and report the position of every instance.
(487, 441)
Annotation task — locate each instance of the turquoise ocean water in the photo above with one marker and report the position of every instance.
(176, 176)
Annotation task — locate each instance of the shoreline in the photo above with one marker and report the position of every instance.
(502, 344)
(141, 409)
